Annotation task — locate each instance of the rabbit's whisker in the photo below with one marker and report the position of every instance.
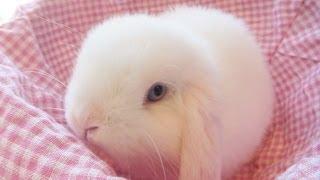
(53, 108)
(158, 153)
(44, 74)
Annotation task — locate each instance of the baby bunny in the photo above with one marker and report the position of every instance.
(182, 95)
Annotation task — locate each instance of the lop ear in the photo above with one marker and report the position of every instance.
(200, 150)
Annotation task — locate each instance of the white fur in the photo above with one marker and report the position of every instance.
(217, 109)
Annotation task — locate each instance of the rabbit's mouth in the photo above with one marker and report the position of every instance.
(102, 154)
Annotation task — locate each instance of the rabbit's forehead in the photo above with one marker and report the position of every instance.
(124, 75)
(140, 66)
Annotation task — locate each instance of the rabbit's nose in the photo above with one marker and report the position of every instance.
(88, 131)
(90, 126)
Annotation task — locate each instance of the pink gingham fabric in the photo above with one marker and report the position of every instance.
(37, 52)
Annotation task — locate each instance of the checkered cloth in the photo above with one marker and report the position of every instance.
(38, 49)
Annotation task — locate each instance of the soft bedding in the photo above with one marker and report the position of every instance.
(37, 52)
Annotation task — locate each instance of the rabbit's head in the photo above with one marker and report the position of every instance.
(143, 92)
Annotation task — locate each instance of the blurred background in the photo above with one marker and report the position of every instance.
(8, 7)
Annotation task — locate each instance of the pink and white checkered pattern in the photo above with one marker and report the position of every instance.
(38, 48)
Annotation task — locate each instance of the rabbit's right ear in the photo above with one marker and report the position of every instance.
(200, 150)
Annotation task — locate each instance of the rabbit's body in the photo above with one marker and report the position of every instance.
(213, 115)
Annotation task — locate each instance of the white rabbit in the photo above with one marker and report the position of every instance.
(183, 95)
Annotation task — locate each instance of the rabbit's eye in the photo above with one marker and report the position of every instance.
(156, 92)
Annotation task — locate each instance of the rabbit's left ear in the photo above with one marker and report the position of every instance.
(200, 153)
